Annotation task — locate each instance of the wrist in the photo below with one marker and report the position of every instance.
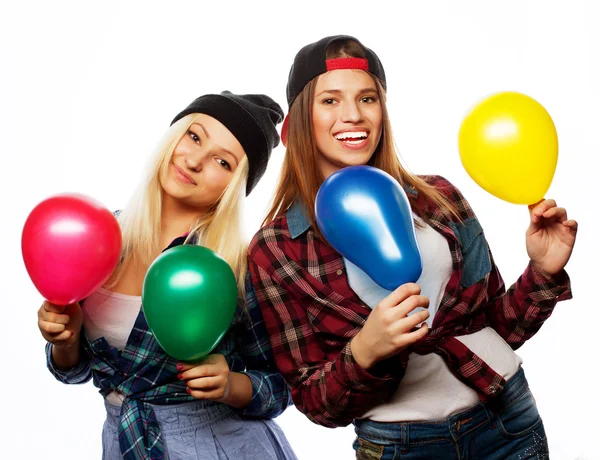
(238, 391)
(72, 343)
(65, 356)
(542, 272)
(360, 352)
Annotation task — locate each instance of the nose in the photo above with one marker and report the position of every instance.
(351, 112)
(194, 158)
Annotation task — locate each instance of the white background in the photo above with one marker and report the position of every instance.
(87, 88)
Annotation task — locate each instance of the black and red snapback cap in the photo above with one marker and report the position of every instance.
(311, 62)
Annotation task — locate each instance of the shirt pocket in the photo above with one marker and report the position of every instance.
(476, 262)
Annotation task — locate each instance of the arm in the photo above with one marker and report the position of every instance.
(328, 385)
(519, 312)
(270, 394)
(257, 391)
(80, 372)
(61, 327)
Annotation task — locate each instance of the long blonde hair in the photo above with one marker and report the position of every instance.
(220, 229)
(301, 177)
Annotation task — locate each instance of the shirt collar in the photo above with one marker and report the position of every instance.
(297, 219)
(297, 215)
(181, 240)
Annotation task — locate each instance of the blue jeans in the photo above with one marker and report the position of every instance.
(508, 428)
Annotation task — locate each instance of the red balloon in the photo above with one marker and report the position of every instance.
(71, 244)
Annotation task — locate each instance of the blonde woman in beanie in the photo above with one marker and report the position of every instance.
(213, 155)
(429, 370)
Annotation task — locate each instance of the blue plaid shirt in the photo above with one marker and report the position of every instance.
(146, 375)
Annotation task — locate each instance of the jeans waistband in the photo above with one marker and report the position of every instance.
(453, 427)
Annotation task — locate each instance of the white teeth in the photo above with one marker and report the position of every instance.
(351, 135)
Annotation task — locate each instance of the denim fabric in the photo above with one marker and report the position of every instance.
(507, 428)
(205, 430)
(474, 249)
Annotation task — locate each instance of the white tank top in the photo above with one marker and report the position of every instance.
(429, 390)
(110, 315)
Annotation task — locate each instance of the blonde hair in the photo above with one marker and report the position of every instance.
(220, 229)
(300, 176)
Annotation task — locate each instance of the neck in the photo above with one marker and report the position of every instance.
(327, 168)
(177, 219)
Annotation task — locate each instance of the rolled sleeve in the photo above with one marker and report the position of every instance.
(547, 291)
(270, 395)
(80, 373)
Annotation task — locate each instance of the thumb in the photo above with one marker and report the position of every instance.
(54, 308)
(72, 308)
(399, 294)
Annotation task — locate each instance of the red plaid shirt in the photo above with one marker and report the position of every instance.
(312, 313)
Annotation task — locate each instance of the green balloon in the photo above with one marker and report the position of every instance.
(189, 297)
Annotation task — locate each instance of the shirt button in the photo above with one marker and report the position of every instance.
(339, 272)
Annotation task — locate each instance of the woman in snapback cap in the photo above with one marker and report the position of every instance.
(353, 352)
(212, 156)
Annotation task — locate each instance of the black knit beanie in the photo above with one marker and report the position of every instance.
(251, 118)
(311, 62)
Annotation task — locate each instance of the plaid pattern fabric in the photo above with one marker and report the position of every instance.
(312, 313)
(145, 375)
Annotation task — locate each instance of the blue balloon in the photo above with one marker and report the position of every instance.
(364, 214)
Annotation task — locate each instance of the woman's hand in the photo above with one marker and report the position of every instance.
(550, 237)
(389, 328)
(61, 326)
(212, 379)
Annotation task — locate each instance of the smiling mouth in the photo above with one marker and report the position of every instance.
(183, 176)
(352, 137)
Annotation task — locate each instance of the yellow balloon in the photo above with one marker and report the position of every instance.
(509, 146)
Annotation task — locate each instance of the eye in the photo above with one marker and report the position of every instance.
(224, 164)
(369, 99)
(328, 101)
(194, 136)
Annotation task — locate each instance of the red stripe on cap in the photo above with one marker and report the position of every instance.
(284, 130)
(347, 63)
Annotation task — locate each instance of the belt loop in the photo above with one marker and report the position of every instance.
(404, 438)
(490, 414)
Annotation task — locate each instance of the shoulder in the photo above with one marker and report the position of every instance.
(276, 253)
(275, 234)
(451, 193)
(440, 183)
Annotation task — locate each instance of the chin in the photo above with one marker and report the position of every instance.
(358, 160)
(171, 189)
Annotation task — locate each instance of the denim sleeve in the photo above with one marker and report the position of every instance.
(80, 373)
(271, 394)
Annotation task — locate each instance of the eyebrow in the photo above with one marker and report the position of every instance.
(203, 129)
(339, 91)
(237, 162)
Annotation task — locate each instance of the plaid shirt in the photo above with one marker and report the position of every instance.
(312, 313)
(144, 374)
